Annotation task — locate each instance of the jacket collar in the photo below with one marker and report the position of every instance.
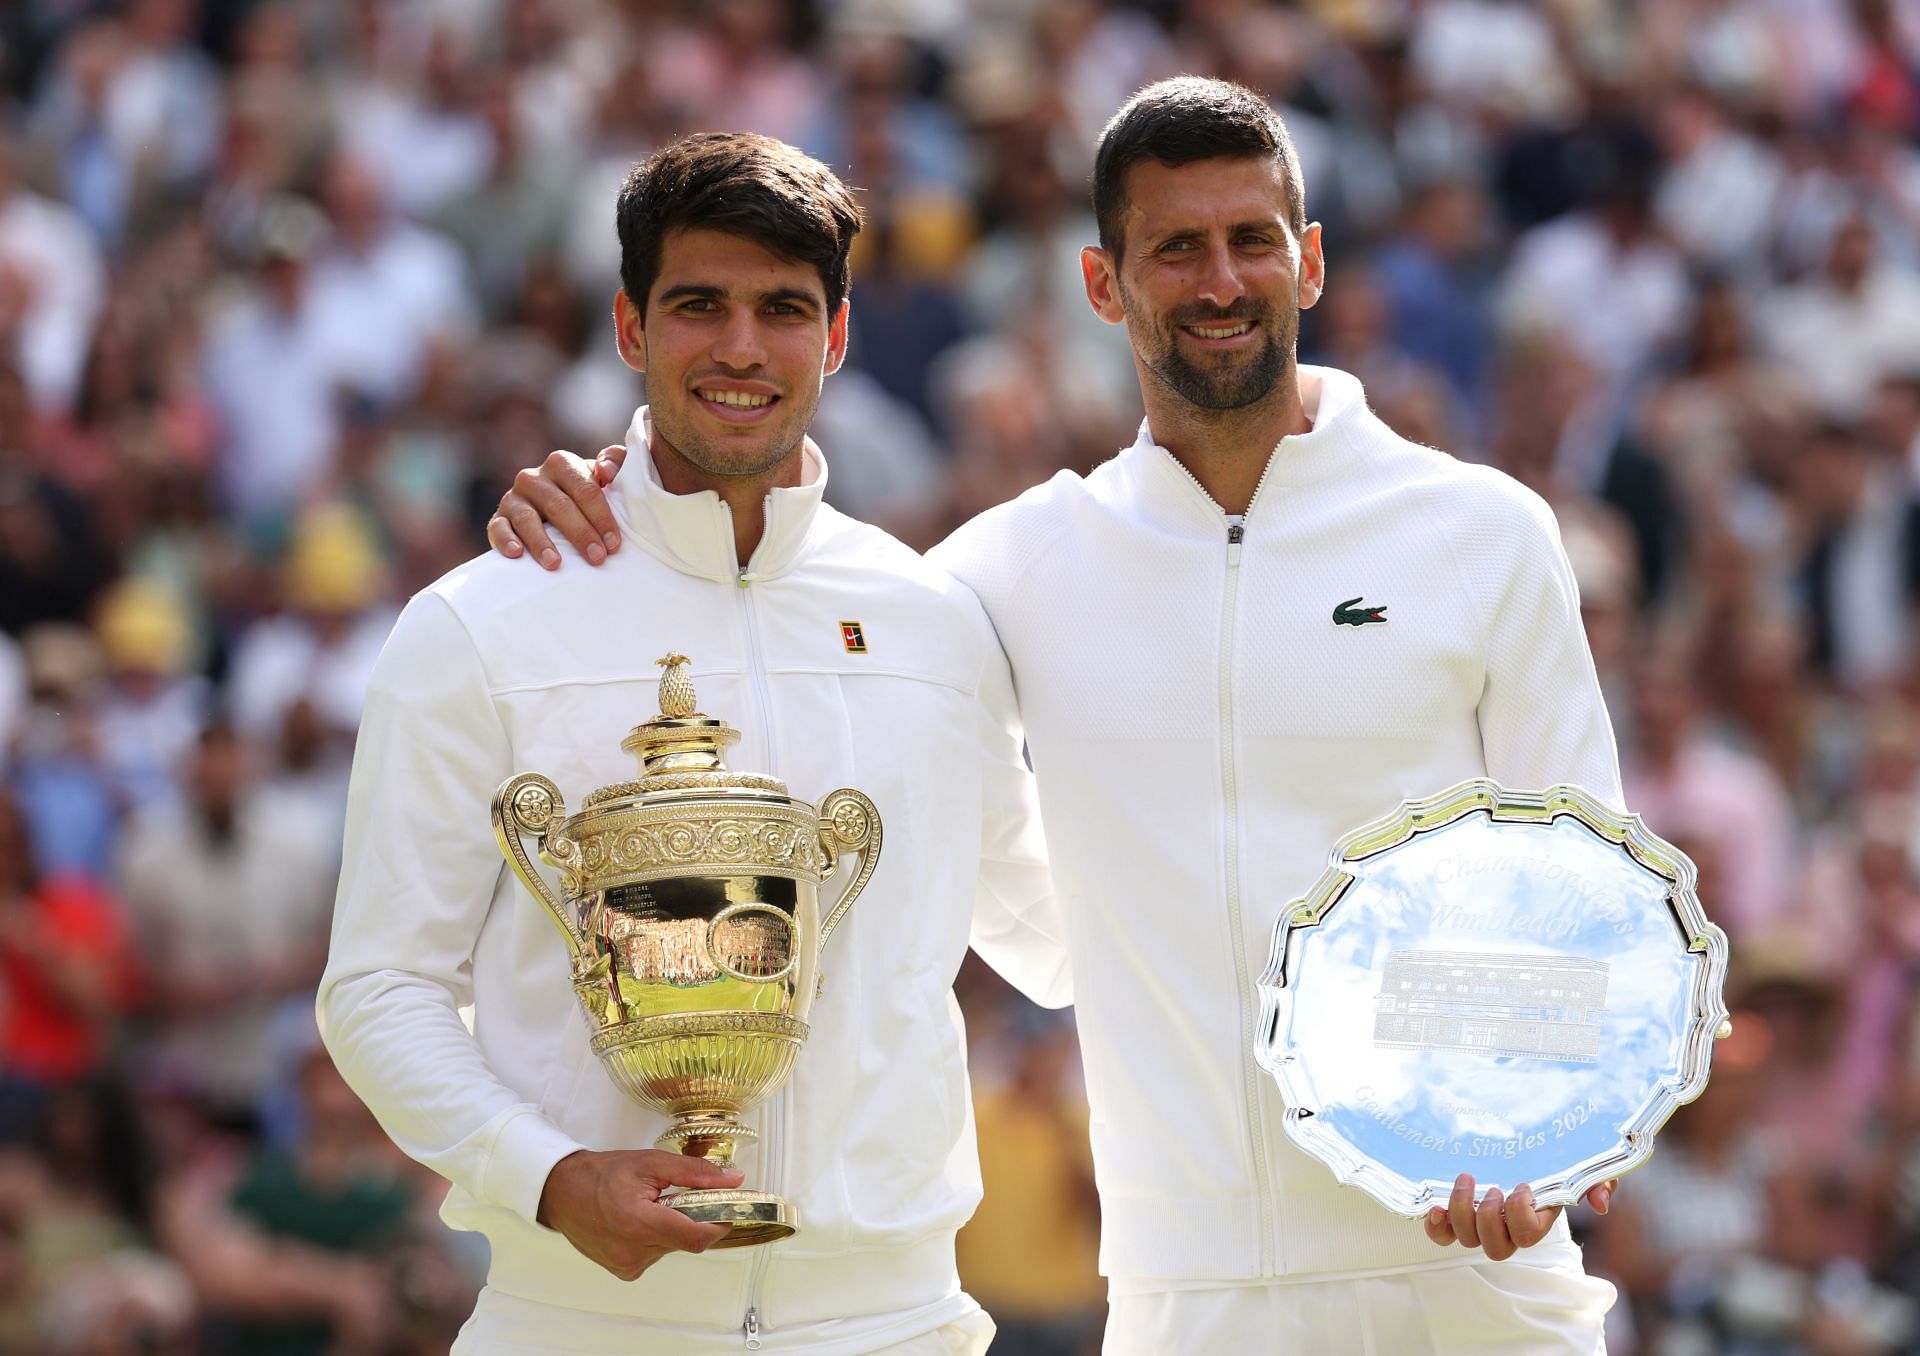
(1334, 402)
(694, 532)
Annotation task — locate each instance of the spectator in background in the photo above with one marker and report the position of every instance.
(512, 223)
(130, 1303)
(132, 117)
(1700, 1202)
(418, 126)
(1698, 418)
(1603, 276)
(1438, 290)
(275, 367)
(1727, 805)
(1716, 198)
(910, 316)
(322, 648)
(153, 704)
(387, 290)
(52, 284)
(1854, 322)
(1355, 333)
(1895, 419)
(1038, 1283)
(55, 770)
(1860, 572)
(341, 1192)
(299, 1249)
(49, 564)
(230, 895)
(735, 66)
(66, 974)
(1019, 284)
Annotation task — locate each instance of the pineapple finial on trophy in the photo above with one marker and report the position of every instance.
(677, 701)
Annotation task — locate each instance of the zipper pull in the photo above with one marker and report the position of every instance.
(752, 1328)
(1236, 533)
(742, 580)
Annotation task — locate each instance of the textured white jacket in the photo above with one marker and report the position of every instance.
(500, 668)
(1203, 732)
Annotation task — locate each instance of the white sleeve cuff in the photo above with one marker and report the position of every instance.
(525, 1149)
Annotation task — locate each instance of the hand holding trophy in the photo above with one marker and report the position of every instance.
(690, 906)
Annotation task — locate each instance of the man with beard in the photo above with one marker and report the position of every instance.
(1263, 624)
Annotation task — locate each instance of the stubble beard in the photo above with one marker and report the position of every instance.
(1231, 387)
(715, 458)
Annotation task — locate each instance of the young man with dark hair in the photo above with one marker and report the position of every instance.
(1204, 728)
(733, 304)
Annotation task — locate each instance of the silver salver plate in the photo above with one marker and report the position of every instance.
(1520, 985)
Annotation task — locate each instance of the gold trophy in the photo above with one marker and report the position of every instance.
(691, 908)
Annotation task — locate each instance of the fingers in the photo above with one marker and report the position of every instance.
(1460, 1212)
(542, 505)
(1526, 1224)
(1498, 1226)
(687, 1171)
(518, 522)
(500, 534)
(1601, 1196)
(668, 1228)
(607, 465)
(1490, 1219)
(580, 481)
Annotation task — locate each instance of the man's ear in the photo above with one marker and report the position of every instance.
(629, 333)
(1313, 267)
(837, 338)
(1101, 272)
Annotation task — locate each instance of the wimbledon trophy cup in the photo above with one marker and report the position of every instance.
(691, 908)
(1519, 985)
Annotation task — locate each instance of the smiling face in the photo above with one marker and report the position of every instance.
(1209, 279)
(735, 343)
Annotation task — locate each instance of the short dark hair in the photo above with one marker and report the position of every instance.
(746, 185)
(1179, 121)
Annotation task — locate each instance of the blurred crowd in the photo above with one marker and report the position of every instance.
(288, 288)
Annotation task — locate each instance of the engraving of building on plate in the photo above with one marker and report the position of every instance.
(1546, 1007)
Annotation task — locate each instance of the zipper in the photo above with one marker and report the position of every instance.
(1250, 1073)
(1242, 973)
(756, 666)
(773, 1121)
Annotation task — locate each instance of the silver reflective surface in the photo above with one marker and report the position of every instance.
(1514, 1000)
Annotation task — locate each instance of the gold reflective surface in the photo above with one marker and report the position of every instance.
(689, 901)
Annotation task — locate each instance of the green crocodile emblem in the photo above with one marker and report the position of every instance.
(1350, 613)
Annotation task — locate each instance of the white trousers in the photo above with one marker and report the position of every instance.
(503, 1325)
(1508, 1308)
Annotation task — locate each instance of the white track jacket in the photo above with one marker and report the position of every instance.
(1204, 732)
(500, 668)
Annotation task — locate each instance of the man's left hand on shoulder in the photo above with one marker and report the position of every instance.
(1501, 1225)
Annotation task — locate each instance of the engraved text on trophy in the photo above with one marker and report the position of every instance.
(1545, 1007)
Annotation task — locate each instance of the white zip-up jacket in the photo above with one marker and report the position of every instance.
(1203, 732)
(499, 668)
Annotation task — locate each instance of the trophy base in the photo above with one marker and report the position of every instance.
(756, 1216)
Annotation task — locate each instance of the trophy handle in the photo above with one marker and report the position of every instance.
(848, 823)
(529, 804)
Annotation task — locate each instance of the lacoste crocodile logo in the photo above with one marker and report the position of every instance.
(1350, 613)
